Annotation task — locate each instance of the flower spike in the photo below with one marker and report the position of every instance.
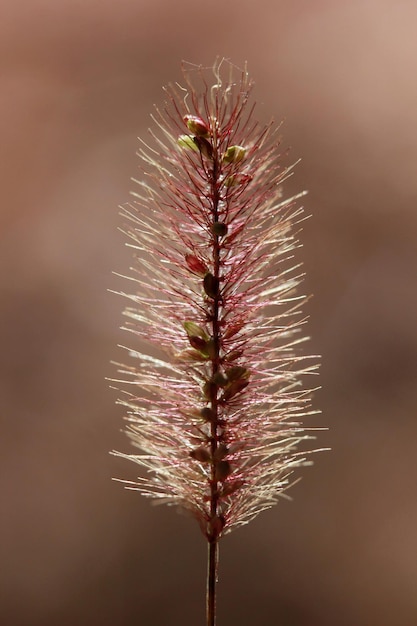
(216, 412)
(190, 224)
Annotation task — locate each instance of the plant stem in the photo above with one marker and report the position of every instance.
(213, 554)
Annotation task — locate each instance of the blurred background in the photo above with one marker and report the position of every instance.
(78, 81)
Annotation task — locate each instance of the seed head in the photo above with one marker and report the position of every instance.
(216, 402)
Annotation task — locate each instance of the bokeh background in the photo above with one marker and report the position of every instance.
(78, 81)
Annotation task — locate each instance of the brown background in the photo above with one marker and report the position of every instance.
(77, 84)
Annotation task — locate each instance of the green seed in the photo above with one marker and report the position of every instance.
(234, 154)
(187, 142)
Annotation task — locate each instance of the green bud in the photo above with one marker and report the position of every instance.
(187, 142)
(234, 154)
(196, 125)
(191, 356)
(194, 330)
(219, 229)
